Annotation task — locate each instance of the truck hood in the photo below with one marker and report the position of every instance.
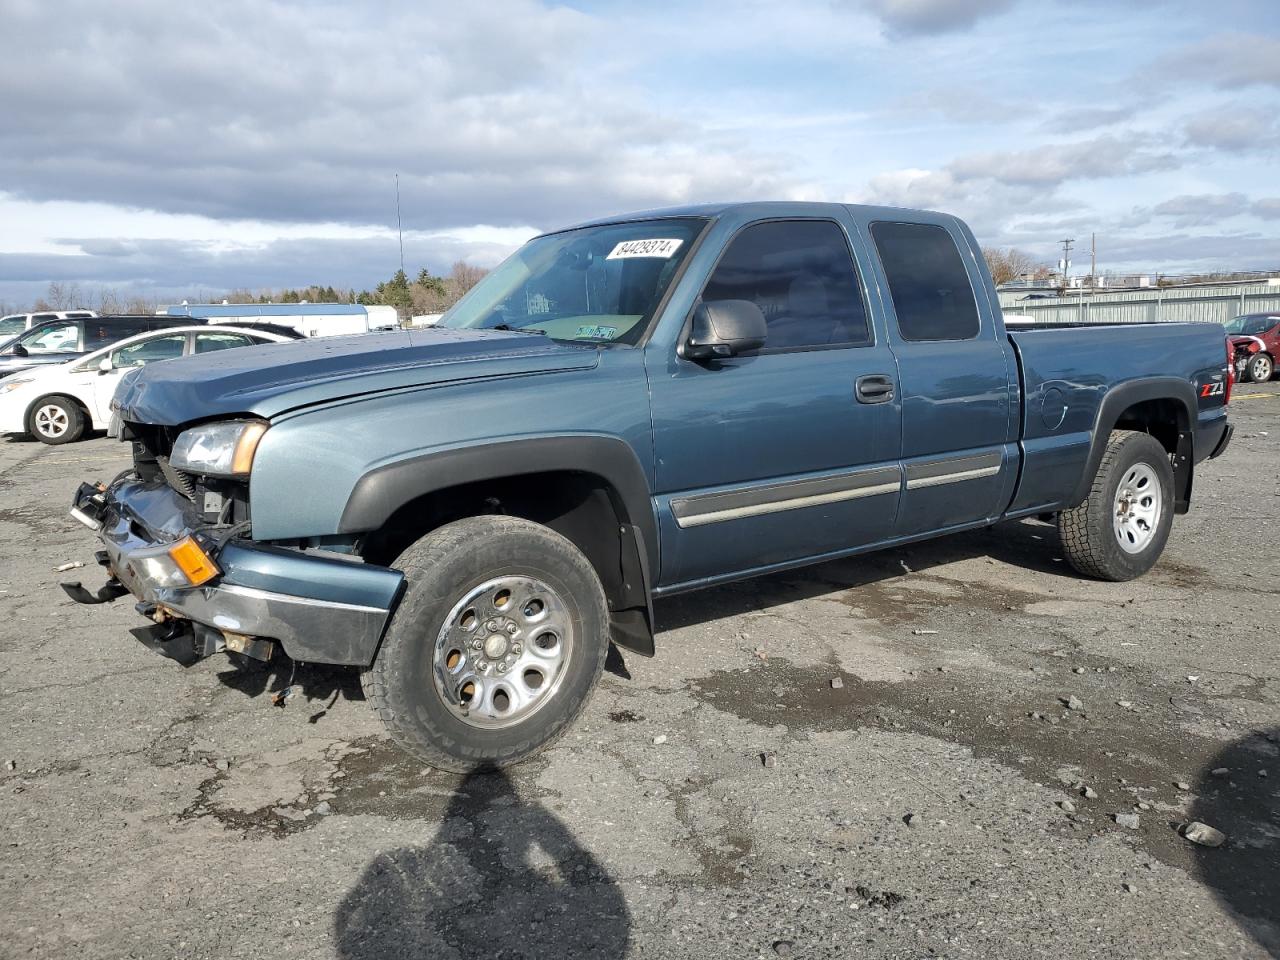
(273, 378)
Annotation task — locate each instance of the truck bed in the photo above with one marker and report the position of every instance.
(1068, 373)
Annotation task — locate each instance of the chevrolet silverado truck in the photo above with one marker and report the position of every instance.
(622, 411)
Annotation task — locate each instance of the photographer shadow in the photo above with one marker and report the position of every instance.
(1245, 805)
(503, 878)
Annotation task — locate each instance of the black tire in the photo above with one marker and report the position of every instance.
(1087, 532)
(444, 568)
(1261, 368)
(56, 420)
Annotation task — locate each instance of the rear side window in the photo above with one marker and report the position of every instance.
(802, 277)
(931, 292)
(209, 342)
(98, 334)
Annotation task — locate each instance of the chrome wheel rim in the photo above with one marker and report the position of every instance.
(503, 651)
(51, 421)
(1136, 512)
(1261, 369)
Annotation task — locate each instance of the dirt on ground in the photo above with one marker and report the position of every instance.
(957, 749)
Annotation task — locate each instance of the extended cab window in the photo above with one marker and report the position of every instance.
(931, 292)
(802, 277)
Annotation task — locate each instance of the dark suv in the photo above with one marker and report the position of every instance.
(61, 340)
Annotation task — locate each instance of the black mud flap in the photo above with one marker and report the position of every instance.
(109, 591)
(178, 640)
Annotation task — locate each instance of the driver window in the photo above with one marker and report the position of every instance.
(59, 338)
(147, 351)
(802, 277)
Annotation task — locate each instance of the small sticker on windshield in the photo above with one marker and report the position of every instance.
(597, 332)
(645, 248)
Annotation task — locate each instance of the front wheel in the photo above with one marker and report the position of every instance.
(496, 646)
(1261, 367)
(56, 420)
(1121, 528)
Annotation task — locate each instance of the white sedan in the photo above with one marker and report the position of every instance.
(58, 403)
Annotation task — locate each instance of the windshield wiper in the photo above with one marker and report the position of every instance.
(507, 326)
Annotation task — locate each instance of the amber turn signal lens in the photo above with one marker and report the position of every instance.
(190, 558)
(246, 447)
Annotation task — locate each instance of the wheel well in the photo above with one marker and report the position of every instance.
(74, 401)
(1167, 421)
(582, 507)
(1164, 419)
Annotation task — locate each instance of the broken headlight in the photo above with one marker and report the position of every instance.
(221, 449)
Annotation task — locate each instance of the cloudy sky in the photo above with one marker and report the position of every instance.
(180, 148)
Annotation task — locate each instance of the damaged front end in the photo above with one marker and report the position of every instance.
(207, 590)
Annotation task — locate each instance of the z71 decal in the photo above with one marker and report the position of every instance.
(1217, 389)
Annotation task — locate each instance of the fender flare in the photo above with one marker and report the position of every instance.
(380, 492)
(1118, 399)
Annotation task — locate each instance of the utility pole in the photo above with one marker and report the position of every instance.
(399, 229)
(1093, 260)
(1066, 259)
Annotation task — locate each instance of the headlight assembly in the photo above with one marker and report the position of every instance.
(221, 449)
(7, 385)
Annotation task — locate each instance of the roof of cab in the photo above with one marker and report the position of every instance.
(754, 208)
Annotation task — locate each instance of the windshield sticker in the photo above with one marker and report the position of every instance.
(644, 248)
(597, 332)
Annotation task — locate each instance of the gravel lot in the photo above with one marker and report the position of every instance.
(920, 806)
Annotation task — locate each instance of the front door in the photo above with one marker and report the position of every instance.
(958, 408)
(136, 354)
(773, 456)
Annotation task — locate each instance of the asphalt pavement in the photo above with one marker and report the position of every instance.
(960, 749)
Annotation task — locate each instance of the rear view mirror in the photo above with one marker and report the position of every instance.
(725, 328)
(104, 365)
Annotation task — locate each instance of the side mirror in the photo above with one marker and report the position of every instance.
(725, 328)
(104, 365)
(19, 350)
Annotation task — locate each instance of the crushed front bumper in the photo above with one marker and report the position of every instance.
(320, 609)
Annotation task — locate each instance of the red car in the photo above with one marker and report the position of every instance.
(1255, 344)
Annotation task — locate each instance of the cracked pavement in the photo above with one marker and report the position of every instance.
(154, 811)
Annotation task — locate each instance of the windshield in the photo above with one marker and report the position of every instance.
(1250, 324)
(11, 325)
(594, 285)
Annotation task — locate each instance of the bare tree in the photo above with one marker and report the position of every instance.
(1010, 263)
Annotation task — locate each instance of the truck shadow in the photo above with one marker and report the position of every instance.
(1244, 872)
(315, 687)
(1028, 544)
(504, 878)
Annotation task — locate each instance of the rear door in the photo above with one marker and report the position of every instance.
(770, 456)
(959, 399)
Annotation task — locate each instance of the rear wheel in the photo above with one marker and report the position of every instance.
(496, 646)
(56, 420)
(1121, 528)
(1261, 367)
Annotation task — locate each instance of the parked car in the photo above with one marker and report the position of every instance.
(16, 323)
(1255, 341)
(66, 339)
(57, 404)
(625, 410)
(311, 319)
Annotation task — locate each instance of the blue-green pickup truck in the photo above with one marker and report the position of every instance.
(622, 411)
